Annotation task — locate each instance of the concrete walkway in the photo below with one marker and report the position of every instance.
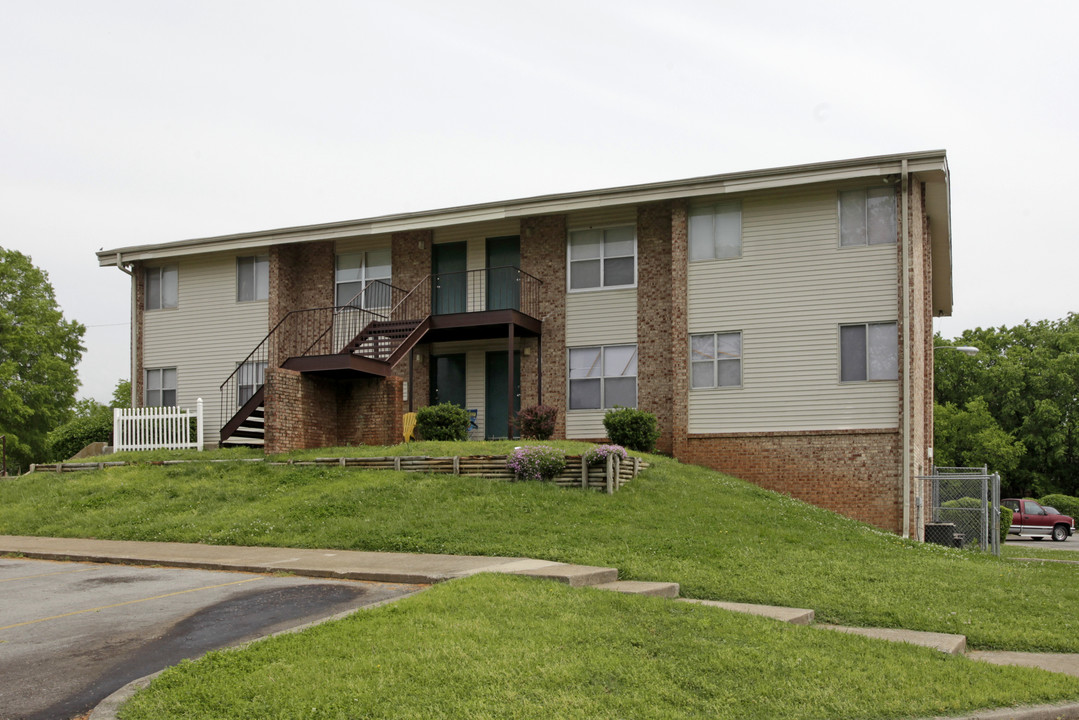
(427, 569)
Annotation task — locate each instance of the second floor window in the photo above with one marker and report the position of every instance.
(354, 277)
(162, 287)
(867, 217)
(715, 231)
(603, 258)
(252, 278)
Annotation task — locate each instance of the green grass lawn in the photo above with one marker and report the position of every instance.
(719, 537)
(511, 647)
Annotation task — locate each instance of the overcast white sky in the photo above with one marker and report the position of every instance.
(138, 122)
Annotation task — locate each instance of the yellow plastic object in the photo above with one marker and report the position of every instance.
(409, 426)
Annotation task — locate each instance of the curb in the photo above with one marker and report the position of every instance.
(1069, 711)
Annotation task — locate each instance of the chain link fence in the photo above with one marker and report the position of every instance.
(965, 508)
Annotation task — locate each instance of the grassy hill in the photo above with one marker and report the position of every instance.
(719, 537)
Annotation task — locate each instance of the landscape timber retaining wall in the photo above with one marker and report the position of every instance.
(609, 477)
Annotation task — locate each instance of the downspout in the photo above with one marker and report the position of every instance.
(131, 374)
(907, 364)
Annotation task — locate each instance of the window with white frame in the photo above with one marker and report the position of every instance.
(869, 351)
(250, 378)
(715, 231)
(867, 217)
(602, 258)
(355, 276)
(603, 377)
(252, 278)
(161, 287)
(160, 387)
(715, 360)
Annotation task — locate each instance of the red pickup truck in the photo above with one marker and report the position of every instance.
(1029, 519)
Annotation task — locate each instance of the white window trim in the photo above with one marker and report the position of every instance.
(839, 350)
(741, 229)
(839, 220)
(715, 375)
(602, 288)
(160, 269)
(146, 385)
(257, 258)
(602, 378)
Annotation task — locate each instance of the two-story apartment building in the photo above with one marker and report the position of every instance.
(778, 323)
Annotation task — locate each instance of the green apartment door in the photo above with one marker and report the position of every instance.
(496, 387)
(448, 379)
(451, 280)
(503, 285)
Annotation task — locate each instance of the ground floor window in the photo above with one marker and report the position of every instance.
(602, 377)
(715, 360)
(868, 351)
(251, 377)
(160, 387)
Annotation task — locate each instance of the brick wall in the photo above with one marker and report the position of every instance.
(411, 259)
(853, 472)
(679, 327)
(138, 271)
(543, 254)
(308, 411)
(654, 340)
(301, 277)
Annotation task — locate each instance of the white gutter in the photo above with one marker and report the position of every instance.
(907, 360)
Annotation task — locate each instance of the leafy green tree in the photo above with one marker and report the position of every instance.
(39, 350)
(121, 394)
(1028, 378)
(971, 437)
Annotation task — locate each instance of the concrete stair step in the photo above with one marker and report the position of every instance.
(795, 616)
(574, 575)
(637, 587)
(945, 642)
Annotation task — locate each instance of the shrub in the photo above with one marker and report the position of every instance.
(442, 422)
(1005, 522)
(537, 422)
(635, 429)
(536, 462)
(598, 454)
(66, 440)
(1066, 504)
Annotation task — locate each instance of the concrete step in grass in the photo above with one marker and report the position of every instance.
(945, 642)
(637, 587)
(795, 616)
(574, 575)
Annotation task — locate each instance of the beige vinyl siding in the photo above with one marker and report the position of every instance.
(788, 294)
(475, 373)
(603, 317)
(206, 335)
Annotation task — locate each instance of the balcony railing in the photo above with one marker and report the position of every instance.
(485, 290)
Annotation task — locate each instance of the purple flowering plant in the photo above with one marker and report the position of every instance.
(598, 455)
(536, 462)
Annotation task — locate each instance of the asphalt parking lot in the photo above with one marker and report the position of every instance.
(73, 633)
(1071, 543)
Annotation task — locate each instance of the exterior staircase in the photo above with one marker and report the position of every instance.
(381, 338)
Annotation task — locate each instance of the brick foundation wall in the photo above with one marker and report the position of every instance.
(369, 411)
(543, 255)
(853, 472)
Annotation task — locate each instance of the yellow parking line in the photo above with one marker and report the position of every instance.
(128, 602)
(31, 577)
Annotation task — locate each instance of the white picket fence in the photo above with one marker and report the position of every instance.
(156, 428)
